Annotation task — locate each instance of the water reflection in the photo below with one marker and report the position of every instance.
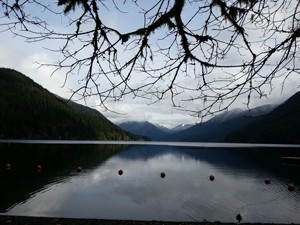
(185, 194)
(58, 162)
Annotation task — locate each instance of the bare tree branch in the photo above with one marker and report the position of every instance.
(201, 54)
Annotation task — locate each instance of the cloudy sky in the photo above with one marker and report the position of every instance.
(16, 53)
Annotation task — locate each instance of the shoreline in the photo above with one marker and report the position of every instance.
(28, 220)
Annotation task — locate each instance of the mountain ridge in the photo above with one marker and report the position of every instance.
(29, 111)
(229, 126)
(145, 128)
(281, 125)
(218, 127)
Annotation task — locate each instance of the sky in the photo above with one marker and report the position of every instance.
(16, 53)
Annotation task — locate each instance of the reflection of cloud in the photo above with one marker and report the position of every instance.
(39, 203)
(185, 193)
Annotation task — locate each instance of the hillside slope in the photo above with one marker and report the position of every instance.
(28, 111)
(282, 125)
(145, 129)
(217, 128)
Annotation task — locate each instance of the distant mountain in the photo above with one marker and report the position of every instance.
(281, 125)
(154, 132)
(217, 128)
(146, 129)
(28, 111)
(181, 127)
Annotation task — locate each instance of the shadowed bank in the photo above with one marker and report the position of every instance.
(21, 220)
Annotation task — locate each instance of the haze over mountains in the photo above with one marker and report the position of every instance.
(213, 130)
(217, 128)
(31, 112)
(152, 131)
(281, 125)
(265, 124)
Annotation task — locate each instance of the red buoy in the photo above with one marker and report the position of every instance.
(7, 166)
(39, 168)
(211, 177)
(120, 172)
(291, 187)
(79, 169)
(162, 175)
(267, 180)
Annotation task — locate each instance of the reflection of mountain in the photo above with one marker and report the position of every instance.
(218, 157)
(237, 161)
(141, 194)
(57, 161)
(146, 152)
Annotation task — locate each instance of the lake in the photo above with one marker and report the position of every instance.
(149, 182)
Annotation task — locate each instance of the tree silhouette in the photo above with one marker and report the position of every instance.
(201, 54)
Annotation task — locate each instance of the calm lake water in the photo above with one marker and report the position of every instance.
(185, 193)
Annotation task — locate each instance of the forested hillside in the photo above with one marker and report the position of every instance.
(282, 125)
(29, 111)
(217, 128)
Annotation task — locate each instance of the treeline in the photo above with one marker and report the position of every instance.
(28, 111)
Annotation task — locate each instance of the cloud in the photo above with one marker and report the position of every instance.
(54, 83)
(22, 56)
(25, 62)
(160, 113)
(6, 56)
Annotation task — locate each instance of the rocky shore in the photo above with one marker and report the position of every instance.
(23, 220)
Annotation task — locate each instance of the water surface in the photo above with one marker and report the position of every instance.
(185, 194)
